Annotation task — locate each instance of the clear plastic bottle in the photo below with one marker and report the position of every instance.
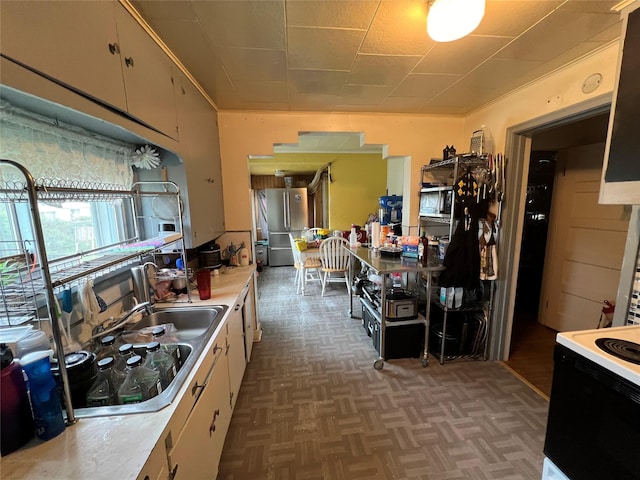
(102, 393)
(160, 361)
(107, 347)
(168, 345)
(140, 384)
(125, 352)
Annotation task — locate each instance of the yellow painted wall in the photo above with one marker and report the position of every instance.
(357, 181)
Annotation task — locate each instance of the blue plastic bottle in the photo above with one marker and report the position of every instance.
(43, 390)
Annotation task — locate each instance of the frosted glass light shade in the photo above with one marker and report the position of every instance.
(450, 20)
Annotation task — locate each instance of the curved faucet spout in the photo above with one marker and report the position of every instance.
(143, 306)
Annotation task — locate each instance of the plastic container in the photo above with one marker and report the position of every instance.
(35, 341)
(168, 344)
(125, 352)
(43, 391)
(140, 384)
(107, 348)
(16, 418)
(160, 361)
(102, 392)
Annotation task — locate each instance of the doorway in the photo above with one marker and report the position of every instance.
(531, 349)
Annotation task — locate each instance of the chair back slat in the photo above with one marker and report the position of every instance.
(333, 255)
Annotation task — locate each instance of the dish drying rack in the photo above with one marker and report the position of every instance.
(29, 281)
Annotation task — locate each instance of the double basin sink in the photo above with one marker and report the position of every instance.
(194, 327)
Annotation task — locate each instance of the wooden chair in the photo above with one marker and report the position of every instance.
(307, 269)
(335, 260)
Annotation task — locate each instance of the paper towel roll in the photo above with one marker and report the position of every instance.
(375, 234)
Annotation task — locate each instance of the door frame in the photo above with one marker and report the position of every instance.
(518, 150)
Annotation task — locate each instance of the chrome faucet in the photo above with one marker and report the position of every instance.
(100, 331)
(141, 282)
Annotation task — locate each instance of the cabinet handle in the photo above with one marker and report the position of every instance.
(173, 472)
(216, 348)
(128, 61)
(114, 48)
(212, 427)
(197, 388)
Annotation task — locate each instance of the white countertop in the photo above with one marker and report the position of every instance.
(114, 447)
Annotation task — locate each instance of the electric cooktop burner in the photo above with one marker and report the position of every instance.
(623, 349)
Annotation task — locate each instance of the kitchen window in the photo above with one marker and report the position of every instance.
(59, 154)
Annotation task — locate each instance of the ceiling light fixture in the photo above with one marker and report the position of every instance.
(450, 20)
(279, 173)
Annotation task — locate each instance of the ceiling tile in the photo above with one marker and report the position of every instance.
(590, 6)
(509, 18)
(322, 48)
(166, 10)
(249, 24)
(381, 69)
(321, 82)
(361, 94)
(424, 85)
(342, 14)
(550, 37)
(399, 28)
(460, 56)
(255, 64)
(274, 92)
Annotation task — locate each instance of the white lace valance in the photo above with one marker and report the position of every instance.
(50, 149)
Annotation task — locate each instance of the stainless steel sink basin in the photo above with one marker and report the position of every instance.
(190, 322)
(193, 328)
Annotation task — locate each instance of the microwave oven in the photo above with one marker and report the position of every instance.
(436, 201)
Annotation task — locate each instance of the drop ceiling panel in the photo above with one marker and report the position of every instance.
(321, 82)
(550, 37)
(249, 24)
(424, 85)
(323, 48)
(381, 70)
(343, 14)
(364, 94)
(399, 28)
(460, 56)
(256, 64)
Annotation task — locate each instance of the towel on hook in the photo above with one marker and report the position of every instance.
(90, 305)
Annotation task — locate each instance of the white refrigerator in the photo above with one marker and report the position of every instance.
(286, 213)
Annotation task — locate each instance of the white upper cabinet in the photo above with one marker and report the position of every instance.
(148, 76)
(200, 151)
(97, 49)
(74, 43)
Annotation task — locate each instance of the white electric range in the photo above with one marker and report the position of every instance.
(593, 426)
(584, 343)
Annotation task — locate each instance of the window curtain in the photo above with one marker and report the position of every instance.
(52, 150)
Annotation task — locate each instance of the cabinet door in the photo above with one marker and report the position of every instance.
(199, 146)
(235, 350)
(74, 43)
(250, 320)
(196, 453)
(156, 466)
(148, 76)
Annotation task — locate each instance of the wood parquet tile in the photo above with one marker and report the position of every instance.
(312, 406)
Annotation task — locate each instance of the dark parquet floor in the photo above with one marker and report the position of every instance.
(312, 406)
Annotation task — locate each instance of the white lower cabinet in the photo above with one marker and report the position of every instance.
(196, 450)
(156, 466)
(235, 349)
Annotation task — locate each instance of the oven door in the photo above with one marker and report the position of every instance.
(593, 428)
